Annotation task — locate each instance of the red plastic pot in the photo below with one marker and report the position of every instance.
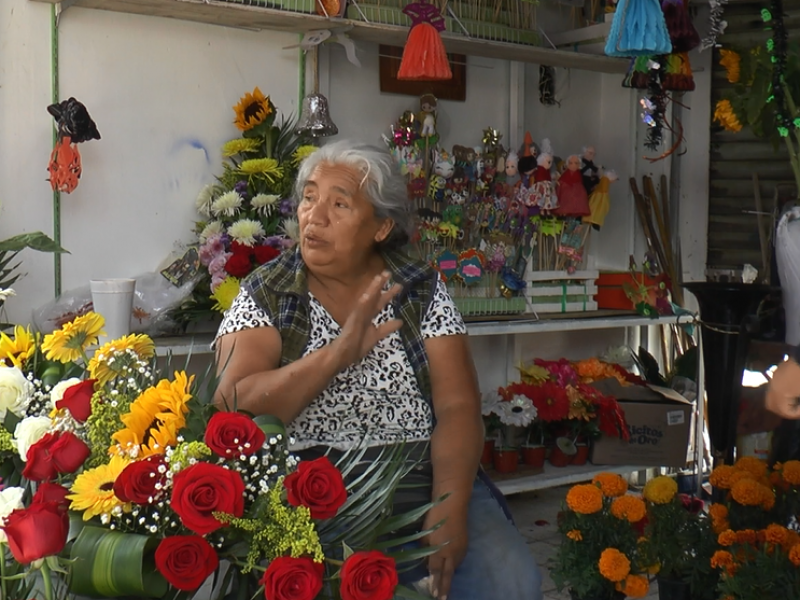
(488, 452)
(582, 455)
(534, 456)
(506, 460)
(558, 458)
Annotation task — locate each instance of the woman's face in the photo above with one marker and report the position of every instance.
(337, 221)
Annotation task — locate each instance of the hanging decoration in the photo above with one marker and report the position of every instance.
(424, 56)
(678, 75)
(682, 33)
(778, 50)
(638, 29)
(74, 126)
(547, 85)
(655, 104)
(716, 24)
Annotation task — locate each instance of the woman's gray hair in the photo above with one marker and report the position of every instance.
(382, 183)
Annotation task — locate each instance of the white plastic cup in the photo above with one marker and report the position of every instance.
(113, 299)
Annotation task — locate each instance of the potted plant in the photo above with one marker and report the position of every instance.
(518, 411)
(491, 426)
(599, 557)
(534, 450)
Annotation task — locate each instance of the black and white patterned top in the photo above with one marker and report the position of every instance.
(378, 397)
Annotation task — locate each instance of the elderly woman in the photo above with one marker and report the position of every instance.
(345, 334)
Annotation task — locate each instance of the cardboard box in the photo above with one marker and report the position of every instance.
(659, 420)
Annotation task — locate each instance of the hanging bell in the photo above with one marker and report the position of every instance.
(315, 119)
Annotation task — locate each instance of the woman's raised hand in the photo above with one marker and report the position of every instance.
(359, 335)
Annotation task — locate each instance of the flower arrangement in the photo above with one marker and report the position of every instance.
(599, 556)
(246, 216)
(108, 460)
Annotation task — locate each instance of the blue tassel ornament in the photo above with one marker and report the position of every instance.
(638, 29)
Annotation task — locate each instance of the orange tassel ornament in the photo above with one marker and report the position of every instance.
(424, 57)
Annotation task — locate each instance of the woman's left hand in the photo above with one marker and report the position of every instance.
(452, 536)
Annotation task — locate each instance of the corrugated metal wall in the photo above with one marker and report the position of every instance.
(733, 234)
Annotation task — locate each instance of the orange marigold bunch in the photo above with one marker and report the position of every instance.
(634, 586)
(612, 484)
(749, 492)
(755, 466)
(727, 538)
(585, 499)
(746, 536)
(720, 477)
(614, 565)
(790, 472)
(794, 555)
(776, 534)
(629, 507)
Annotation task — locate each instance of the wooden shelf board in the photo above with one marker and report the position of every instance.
(556, 476)
(258, 18)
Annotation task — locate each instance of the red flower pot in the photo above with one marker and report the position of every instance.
(558, 458)
(488, 452)
(582, 456)
(506, 460)
(533, 456)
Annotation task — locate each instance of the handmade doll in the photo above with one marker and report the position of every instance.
(544, 191)
(589, 172)
(599, 203)
(573, 201)
(427, 115)
(442, 171)
(512, 169)
(524, 193)
(458, 182)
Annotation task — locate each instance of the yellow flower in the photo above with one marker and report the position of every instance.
(225, 294)
(613, 485)
(630, 508)
(14, 352)
(101, 369)
(585, 499)
(252, 110)
(575, 535)
(634, 586)
(749, 492)
(614, 565)
(732, 63)
(239, 146)
(69, 343)
(791, 472)
(303, 152)
(726, 117)
(533, 374)
(154, 419)
(660, 490)
(268, 167)
(753, 465)
(727, 538)
(93, 490)
(720, 477)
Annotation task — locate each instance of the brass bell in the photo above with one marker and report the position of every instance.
(315, 119)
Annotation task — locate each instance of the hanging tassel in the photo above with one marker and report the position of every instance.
(682, 33)
(638, 75)
(679, 77)
(424, 57)
(638, 29)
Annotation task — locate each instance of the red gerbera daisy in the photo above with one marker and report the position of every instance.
(550, 400)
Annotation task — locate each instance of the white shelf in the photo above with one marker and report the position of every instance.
(558, 476)
(261, 18)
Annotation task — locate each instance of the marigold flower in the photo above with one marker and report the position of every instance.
(753, 465)
(718, 511)
(634, 586)
(629, 507)
(611, 484)
(721, 559)
(727, 538)
(791, 472)
(660, 490)
(749, 492)
(738, 476)
(614, 565)
(776, 534)
(585, 499)
(794, 555)
(720, 477)
(575, 535)
(746, 536)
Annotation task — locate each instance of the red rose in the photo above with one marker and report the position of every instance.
(51, 492)
(264, 254)
(202, 489)
(77, 400)
(368, 576)
(69, 452)
(186, 561)
(318, 485)
(57, 452)
(238, 265)
(39, 466)
(290, 578)
(139, 480)
(231, 434)
(243, 249)
(37, 531)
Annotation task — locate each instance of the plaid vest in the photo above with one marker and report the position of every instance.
(280, 288)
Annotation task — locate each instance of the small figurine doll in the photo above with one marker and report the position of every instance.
(527, 167)
(443, 170)
(427, 115)
(458, 181)
(573, 201)
(512, 169)
(589, 172)
(543, 190)
(599, 203)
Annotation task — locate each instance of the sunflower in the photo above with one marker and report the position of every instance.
(104, 370)
(154, 419)
(239, 146)
(93, 490)
(14, 352)
(725, 115)
(225, 294)
(69, 343)
(732, 63)
(252, 109)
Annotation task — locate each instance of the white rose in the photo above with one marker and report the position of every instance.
(28, 432)
(57, 393)
(15, 390)
(10, 500)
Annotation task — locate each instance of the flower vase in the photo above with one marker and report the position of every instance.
(673, 589)
(581, 456)
(533, 455)
(506, 460)
(488, 452)
(113, 300)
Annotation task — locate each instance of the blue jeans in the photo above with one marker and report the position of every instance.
(498, 564)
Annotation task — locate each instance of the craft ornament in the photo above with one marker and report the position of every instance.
(74, 126)
(470, 267)
(447, 264)
(716, 24)
(638, 29)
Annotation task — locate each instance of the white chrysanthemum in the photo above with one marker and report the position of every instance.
(264, 203)
(488, 403)
(518, 411)
(228, 204)
(245, 231)
(6, 293)
(291, 228)
(204, 200)
(213, 228)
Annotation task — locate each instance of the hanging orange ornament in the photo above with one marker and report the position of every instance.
(74, 127)
(65, 166)
(424, 57)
